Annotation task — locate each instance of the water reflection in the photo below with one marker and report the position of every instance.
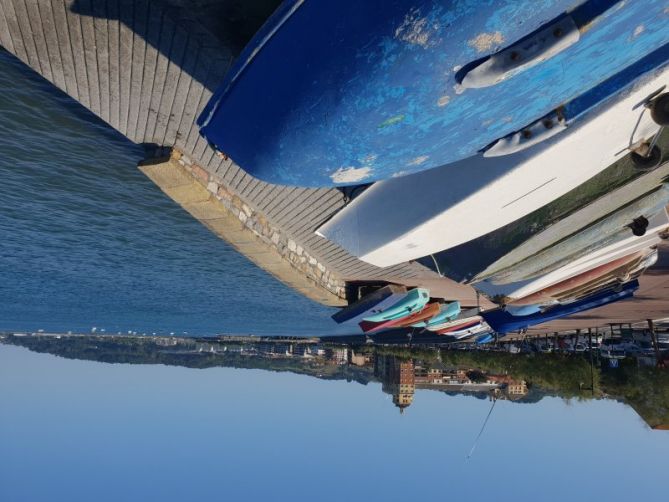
(623, 365)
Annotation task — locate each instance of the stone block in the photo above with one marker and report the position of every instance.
(200, 174)
(206, 210)
(223, 193)
(212, 186)
(167, 174)
(226, 227)
(187, 194)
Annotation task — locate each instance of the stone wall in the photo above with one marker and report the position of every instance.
(208, 199)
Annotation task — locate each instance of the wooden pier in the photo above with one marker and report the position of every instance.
(147, 68)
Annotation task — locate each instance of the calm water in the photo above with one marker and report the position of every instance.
(86, 240)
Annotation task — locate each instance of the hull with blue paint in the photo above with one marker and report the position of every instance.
(348, 92)
(503, 322)
(483, 339)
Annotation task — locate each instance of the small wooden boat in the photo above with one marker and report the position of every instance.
(612, 280)
(511, 283)
(553, 293)
(608, 231)
(413, 301)
(371, 304)
(429, 311)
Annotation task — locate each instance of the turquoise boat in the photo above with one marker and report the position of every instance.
(414, 301)
(448, 312)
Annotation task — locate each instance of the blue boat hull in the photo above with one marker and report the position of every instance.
(502, 322)
(348, 92)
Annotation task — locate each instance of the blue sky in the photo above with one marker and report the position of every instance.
(79, 430)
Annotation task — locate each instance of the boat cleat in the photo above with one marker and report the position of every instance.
(536, 48)
(535, 133)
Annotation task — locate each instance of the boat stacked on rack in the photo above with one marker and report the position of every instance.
(393, 307)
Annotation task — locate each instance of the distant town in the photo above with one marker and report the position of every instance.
(512, 372)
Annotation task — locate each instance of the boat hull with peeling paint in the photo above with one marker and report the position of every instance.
(349, 92)
(452, 205)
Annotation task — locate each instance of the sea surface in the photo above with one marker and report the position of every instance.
(87, 241)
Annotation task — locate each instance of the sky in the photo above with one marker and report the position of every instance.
(79, 430)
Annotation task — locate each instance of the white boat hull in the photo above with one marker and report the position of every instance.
(402, 219)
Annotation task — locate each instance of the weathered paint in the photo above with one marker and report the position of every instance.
(340, 82)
